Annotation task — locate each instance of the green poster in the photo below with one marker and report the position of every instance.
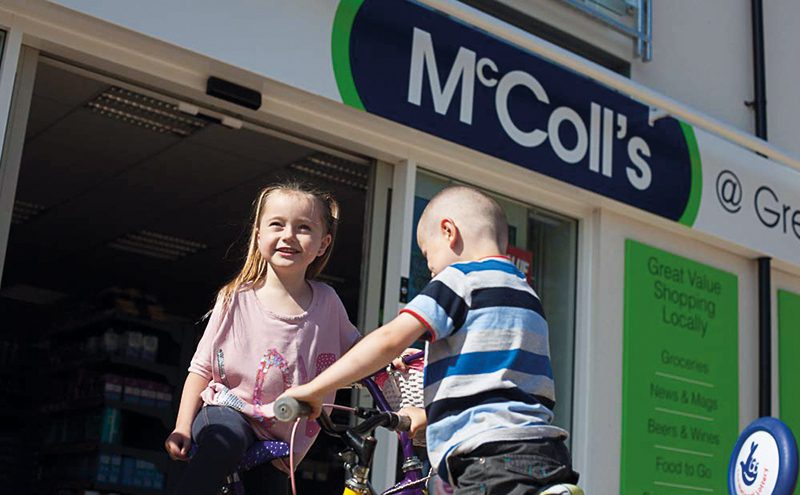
(789, 366)
(680, 387)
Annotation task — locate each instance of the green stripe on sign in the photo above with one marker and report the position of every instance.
(340, 51)
(696, 188)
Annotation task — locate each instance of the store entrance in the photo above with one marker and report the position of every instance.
(129, 215)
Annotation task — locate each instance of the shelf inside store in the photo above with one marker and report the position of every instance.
(164, 414)
(173, 328)
(112, 362)
(159, 458)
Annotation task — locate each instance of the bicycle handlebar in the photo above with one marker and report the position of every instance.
(288, 409)
(409, 358)
(403, 423)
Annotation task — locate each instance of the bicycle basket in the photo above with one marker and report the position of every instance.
(403, 389)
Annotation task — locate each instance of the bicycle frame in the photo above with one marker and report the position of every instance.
(411, 483)
(361, 443)
(412, 466)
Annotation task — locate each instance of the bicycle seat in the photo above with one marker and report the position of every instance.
(261, 452)
(561, 489)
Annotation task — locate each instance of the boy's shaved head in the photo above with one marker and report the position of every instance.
(478, 216)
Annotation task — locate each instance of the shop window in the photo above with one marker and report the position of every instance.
(543, 245)
(2, 45)
(556, 36)
(632, 18)
(618, 7)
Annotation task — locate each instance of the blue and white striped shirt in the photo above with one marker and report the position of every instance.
(488, 376)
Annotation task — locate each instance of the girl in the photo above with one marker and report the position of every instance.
(272, 327)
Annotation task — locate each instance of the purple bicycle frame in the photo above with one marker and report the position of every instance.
(413, 475)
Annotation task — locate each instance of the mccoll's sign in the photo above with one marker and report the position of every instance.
(412, 65)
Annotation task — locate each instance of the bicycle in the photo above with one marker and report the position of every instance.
(361, 446)
(360, 442)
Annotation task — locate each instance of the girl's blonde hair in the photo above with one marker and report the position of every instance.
(255, 266)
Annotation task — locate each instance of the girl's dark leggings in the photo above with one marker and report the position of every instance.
(222, 436)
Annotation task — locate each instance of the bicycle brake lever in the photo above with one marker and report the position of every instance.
(365, 412)
(328, 426)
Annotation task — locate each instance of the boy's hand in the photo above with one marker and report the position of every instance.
(178, 444)
(398, 364)
(419, 420)
(309, 395)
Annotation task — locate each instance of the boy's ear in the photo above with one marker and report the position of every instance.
(449, 230)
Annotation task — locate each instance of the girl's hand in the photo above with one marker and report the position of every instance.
(178, 444)
(419, 420)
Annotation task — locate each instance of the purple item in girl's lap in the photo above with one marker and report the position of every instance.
(261, 452)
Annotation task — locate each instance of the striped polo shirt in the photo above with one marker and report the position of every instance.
(488, 376)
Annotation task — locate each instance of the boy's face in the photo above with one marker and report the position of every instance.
(436, 241)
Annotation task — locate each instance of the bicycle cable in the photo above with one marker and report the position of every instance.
(291, 442)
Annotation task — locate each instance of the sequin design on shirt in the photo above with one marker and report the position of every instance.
(271, 358)
(324, 361)
(221, 366)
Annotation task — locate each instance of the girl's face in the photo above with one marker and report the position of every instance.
(291, 233)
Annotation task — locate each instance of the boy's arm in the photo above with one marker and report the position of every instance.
(369, 355)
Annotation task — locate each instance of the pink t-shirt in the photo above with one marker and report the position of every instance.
(258, 354)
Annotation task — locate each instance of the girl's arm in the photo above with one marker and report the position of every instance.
(373, 352)
(179, 441)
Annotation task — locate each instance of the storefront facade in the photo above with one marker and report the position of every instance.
(637, 219)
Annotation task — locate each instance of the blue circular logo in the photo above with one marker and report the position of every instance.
(764, 460)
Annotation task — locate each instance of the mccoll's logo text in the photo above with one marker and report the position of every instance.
(428, 71)
(587, 138)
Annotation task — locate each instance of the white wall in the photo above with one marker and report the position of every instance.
(702, 57)
(702, 51)
(782, 39)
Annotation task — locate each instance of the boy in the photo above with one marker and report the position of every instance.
(488, 380)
